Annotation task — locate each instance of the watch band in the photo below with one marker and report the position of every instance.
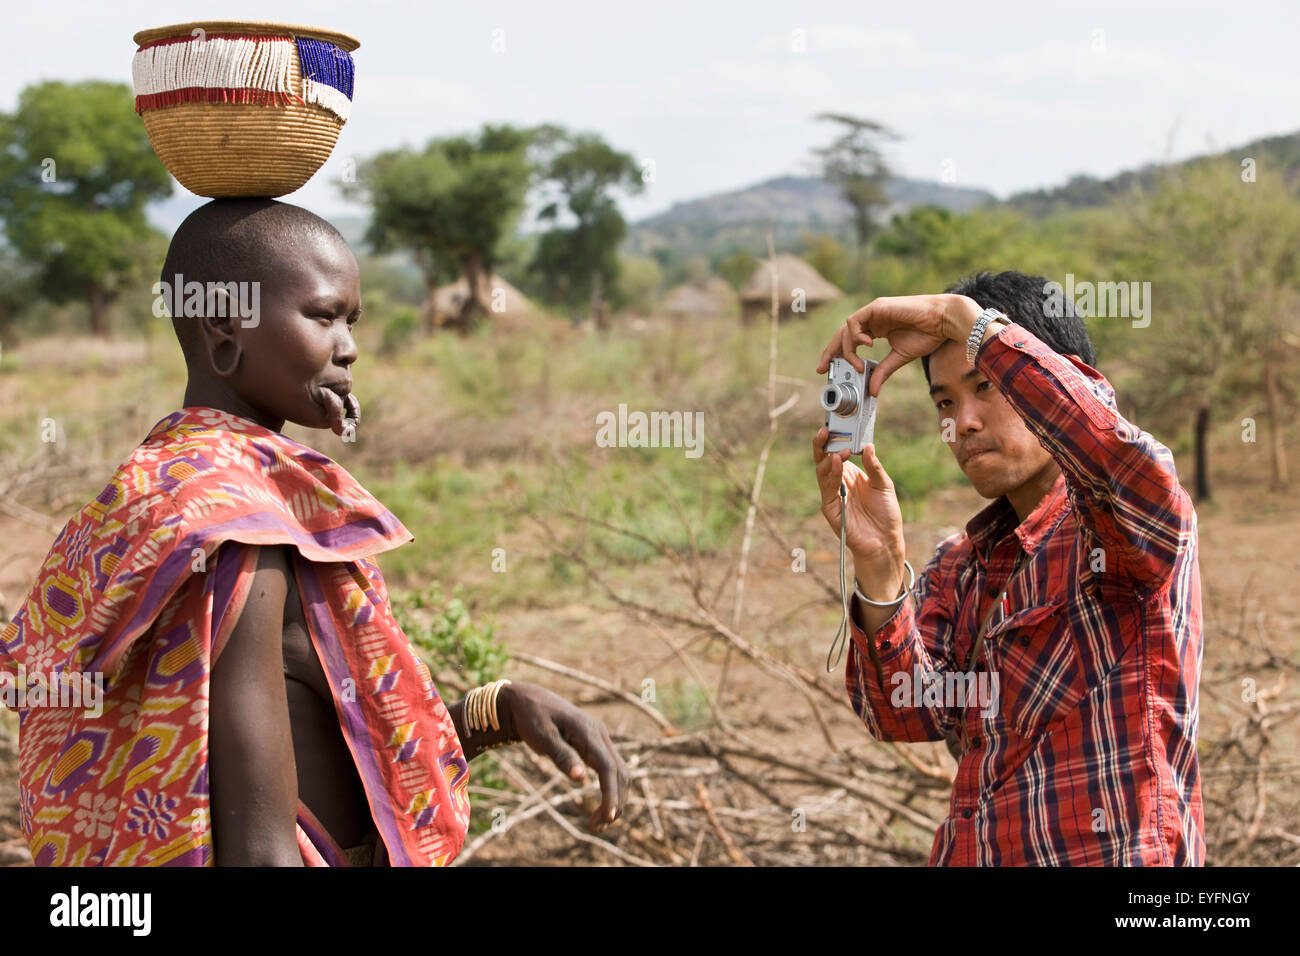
(977, 331)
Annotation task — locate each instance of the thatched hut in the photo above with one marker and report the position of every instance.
(711, 298)
(503, 301)
(799, 287)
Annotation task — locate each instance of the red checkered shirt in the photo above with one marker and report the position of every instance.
(1087, 755)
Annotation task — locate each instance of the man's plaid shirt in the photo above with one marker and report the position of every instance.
(1089, 756)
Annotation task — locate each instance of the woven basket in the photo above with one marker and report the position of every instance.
(227, 149)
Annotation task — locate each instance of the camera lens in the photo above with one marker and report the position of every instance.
(840, 399)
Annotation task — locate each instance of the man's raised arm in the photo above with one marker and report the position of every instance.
(1122, 481)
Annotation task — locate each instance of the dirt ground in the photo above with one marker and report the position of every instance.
(1248, 578)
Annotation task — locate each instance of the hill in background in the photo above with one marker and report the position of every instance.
(789, 205)
(1271, 154)
(794, 205)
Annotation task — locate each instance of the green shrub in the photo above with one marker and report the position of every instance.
(447, 638)
(398, 331)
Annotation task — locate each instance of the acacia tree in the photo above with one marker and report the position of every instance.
(17, 289)
(451, 205)
(579, 262)
(1223, 257)
(76, 170)
(854, 164)
(940, 245)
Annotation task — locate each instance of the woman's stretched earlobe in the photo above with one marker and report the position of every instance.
(226, 373)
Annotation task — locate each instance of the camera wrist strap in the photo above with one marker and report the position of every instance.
(833, 657)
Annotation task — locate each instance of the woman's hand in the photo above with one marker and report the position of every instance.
(570, 737)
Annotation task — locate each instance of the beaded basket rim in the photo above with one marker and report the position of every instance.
(341, 40)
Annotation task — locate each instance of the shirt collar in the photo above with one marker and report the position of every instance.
(993, 523)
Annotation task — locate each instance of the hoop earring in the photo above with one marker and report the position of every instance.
(239, 353)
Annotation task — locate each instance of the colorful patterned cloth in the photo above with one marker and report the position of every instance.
(1089, 755)
(139, 589)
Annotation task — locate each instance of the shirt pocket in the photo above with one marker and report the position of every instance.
(1040, 681)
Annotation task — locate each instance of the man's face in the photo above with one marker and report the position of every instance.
(302, 349)
(992, 445)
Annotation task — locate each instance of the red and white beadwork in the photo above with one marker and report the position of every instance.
(241, 68)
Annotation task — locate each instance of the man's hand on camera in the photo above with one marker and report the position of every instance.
(914, 325)
(874, 523)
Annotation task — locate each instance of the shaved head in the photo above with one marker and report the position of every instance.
(263, 297)
(238, 240)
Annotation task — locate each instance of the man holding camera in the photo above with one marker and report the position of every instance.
(1077, 589)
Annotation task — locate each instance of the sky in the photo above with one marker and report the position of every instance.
(715, 96)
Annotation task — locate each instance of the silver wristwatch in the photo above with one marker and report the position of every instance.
(977, 331)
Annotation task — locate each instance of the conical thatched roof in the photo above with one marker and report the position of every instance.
(713, 296)
(791, 273)
(501, 297)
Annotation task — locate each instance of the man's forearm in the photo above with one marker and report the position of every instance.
(1124, 482)
(878, 588)
(960, 318)
(902, 641)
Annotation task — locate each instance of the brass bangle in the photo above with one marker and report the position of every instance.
(481, 707)
(469, 712)
(492, 702)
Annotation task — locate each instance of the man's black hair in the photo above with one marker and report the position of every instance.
(1023, 299)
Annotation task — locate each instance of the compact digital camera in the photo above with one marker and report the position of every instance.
(850, 410)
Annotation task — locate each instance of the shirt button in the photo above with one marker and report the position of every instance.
(884, 645)
(975, 742)
(992, 591)
(1024, 639)
(966, 814)
(1020, 345)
